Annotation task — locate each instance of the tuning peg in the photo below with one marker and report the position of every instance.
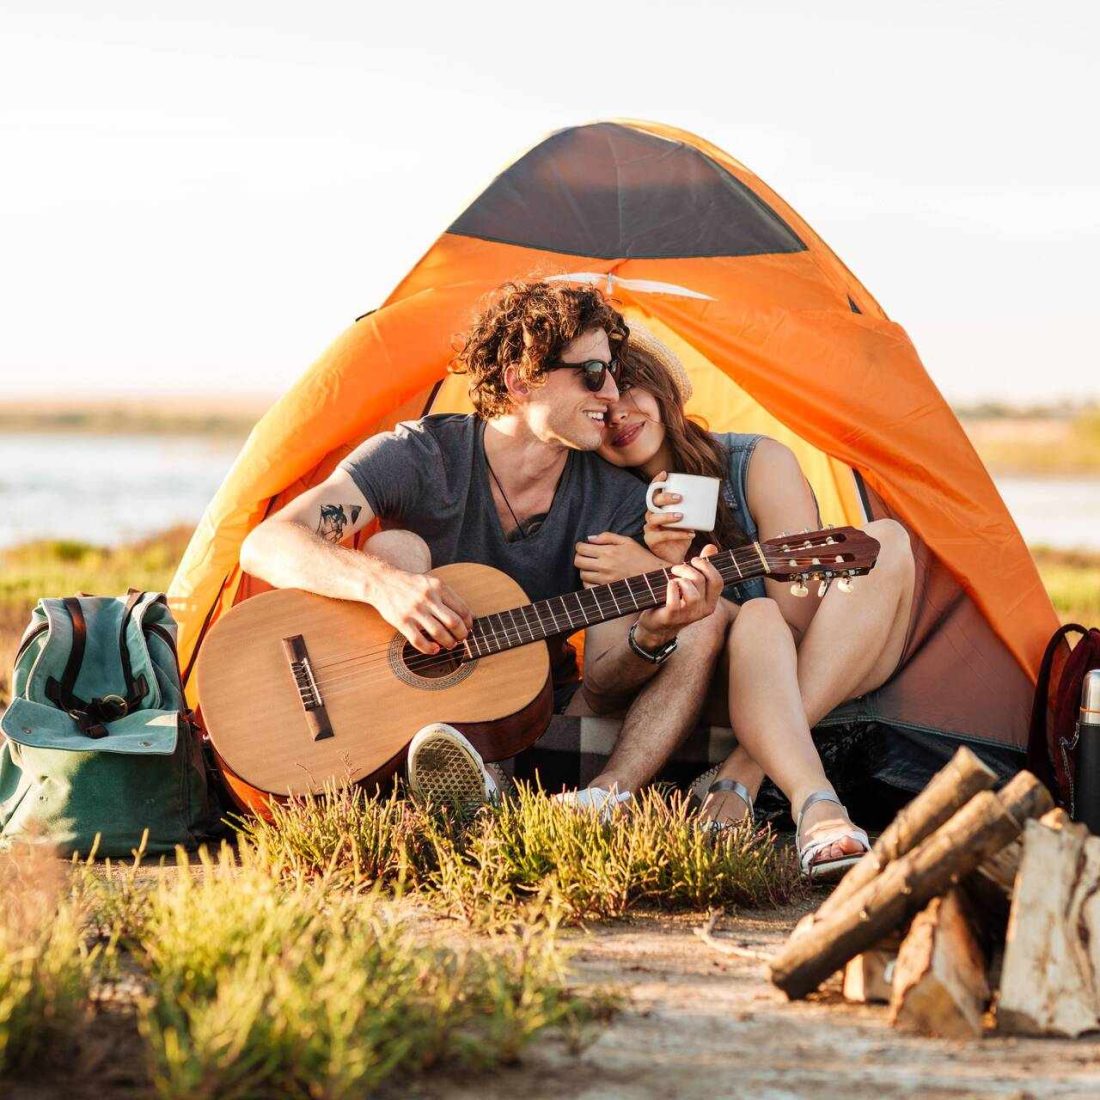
(844, 584)
(823, 587)
(798, 588)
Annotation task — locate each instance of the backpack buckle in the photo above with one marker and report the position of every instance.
(111, 707)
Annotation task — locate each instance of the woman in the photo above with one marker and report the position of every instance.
(791, 659)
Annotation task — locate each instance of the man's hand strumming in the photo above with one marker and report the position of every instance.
(429, 613)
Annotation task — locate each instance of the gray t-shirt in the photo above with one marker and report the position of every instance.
(430, 476)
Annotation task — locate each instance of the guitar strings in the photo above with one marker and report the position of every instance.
(494, 634)
(511, 637)
(422, 662)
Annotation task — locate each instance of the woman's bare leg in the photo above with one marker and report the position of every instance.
(855, 639)
(852, 645)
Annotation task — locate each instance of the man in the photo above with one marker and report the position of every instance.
(514, 486)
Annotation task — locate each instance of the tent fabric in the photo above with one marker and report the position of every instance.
(777, 336)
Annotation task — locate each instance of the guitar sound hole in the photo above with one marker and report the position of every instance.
(427, 671)
(431, 666)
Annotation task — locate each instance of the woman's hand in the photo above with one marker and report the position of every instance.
(668, 545)
(610, 557)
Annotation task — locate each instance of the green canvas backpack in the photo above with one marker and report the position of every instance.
(99, 741)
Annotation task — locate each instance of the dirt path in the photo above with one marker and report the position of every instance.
(694, 1023)
(701, 1024)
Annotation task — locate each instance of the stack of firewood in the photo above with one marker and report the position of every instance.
(973, 910)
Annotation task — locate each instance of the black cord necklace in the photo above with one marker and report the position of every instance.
(504, 497)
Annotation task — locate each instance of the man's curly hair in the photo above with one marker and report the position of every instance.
(526, 325)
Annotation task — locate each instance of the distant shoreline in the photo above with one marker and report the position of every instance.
(230, 417)
(1051, 443)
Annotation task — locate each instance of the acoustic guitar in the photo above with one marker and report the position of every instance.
(299, 690)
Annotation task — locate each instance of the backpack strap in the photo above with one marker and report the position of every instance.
(61, 692)
(135, 691)
(1038, 745)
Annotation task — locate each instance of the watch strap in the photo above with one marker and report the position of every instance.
(656, 656)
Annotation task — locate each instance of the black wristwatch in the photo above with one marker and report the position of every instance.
(657, 656)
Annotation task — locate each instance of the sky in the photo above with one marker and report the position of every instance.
(201, 196)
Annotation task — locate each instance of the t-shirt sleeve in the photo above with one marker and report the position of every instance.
(629, 517)
(389, 469)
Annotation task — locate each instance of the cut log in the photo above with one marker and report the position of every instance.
(940, 985)
(983, 826)
(1050, 980)
(949, 790)
(868, 978)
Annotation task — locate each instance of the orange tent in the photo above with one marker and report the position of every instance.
(778, 337)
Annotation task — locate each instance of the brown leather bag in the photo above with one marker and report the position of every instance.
(1052, 742)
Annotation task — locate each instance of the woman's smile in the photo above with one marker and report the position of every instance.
(627, 434)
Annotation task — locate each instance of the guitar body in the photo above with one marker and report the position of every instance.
(299, 690)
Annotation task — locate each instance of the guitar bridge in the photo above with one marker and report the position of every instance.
(309, 693)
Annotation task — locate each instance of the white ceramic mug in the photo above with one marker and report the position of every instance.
(698, 500)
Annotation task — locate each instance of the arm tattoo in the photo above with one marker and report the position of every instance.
(334, 519)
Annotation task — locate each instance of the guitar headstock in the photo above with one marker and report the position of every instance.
(836, 552)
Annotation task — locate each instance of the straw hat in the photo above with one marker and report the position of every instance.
(640, 337)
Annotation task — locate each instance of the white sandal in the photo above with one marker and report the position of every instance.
(827, 870)
(707, 784)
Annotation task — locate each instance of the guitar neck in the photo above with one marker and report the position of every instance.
(576, 610)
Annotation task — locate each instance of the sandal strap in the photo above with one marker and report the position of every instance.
(813, 799)
(733, 787)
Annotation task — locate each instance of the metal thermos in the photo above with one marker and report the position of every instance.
(1086, 802)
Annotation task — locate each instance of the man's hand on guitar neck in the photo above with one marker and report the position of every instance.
(612, 671)
(692, 595)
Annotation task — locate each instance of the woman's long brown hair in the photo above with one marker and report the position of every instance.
(694, 449)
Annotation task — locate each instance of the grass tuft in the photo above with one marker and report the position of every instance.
(530, 850)
(45, 969)
(296, 989)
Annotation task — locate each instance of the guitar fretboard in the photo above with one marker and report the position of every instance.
(576, 610)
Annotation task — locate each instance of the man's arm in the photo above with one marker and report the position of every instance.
(298, 547)
(613, 672)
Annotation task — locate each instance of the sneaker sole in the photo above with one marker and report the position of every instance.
(444, 772)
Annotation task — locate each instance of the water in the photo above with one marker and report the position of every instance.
(106, 490)
(1061, 512)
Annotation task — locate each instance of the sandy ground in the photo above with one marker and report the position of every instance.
(697, 1023)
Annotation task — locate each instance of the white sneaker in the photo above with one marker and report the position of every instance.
(444, 768)
(595, 800)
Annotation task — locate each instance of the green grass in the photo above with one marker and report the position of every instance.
(45, 966)
(531, 853)
(235, 983)
(279, 988)
(1073, 580)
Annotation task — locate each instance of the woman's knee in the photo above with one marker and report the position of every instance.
(402, 549)
(895, 547)
(757, 619)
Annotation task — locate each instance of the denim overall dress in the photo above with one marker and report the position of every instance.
(740, 447)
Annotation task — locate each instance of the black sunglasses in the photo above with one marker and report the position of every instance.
(595, 371)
